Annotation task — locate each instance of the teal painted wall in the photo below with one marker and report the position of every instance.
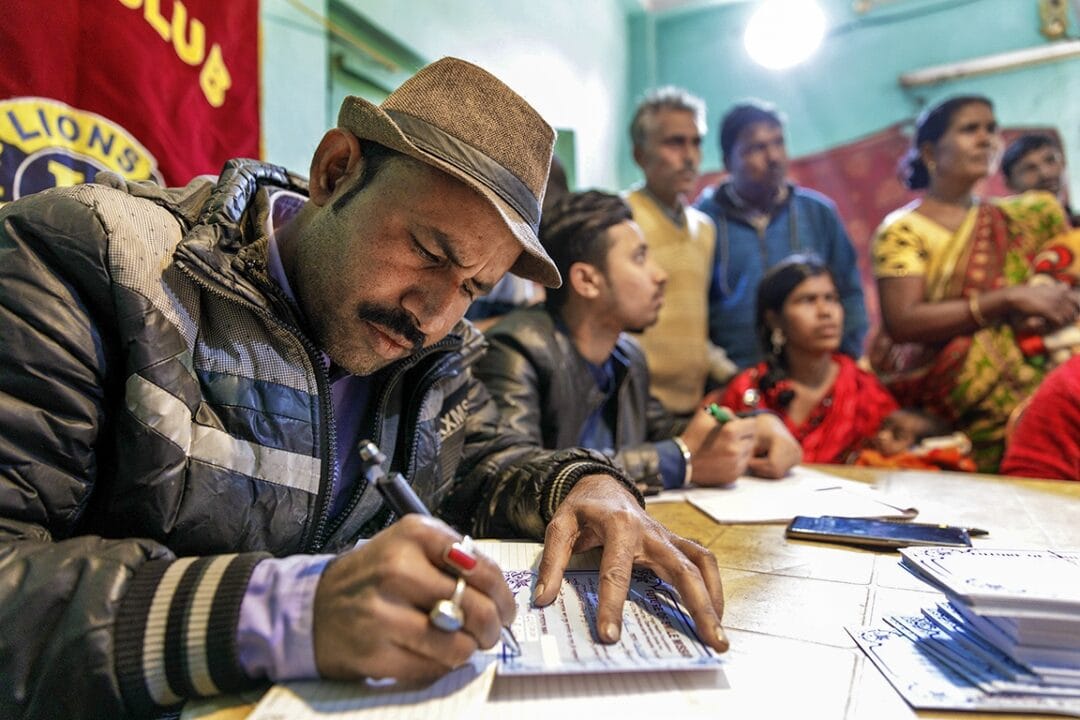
(583, 65)
(850, 88)
(568, 59)
(294, 80)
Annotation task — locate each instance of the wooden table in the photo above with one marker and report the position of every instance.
(789, 601)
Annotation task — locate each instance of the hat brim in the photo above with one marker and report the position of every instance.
(369, 122)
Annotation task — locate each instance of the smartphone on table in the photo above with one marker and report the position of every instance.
(866, 532)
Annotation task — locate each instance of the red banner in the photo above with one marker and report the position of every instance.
(150, 89)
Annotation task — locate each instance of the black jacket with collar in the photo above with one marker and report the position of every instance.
(545, 390)
(165, 424)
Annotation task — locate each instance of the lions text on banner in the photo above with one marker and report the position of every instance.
(150, 89)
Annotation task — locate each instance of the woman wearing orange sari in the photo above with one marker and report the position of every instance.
(958, 283)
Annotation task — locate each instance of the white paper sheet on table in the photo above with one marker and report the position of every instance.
(556, 641)
(802, 492)
(456, 695)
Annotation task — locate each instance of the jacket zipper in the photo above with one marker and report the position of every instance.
(423, 387)
(380, 407)
(327, 434)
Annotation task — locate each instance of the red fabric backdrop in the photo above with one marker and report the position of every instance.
(163, 89)
(862, 179)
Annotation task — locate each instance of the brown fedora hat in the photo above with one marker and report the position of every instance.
(464, 121)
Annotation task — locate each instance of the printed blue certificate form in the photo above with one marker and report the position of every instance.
(657, 631)
(559, 645)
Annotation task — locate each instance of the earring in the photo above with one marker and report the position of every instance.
(931, 166)
(777, 339)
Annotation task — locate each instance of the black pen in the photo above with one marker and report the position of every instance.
(403, 500)
(971, 531)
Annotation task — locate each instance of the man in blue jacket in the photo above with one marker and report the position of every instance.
(761, 218)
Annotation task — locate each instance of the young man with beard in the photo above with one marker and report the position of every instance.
(567, 374)
(1035, 162)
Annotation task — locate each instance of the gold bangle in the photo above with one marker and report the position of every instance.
(976, 311)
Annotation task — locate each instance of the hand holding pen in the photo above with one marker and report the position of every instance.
(371, 609)
(447, 614)
(775, 452)
(721, 414)
(719, 444)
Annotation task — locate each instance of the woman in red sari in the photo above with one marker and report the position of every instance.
(827, 402)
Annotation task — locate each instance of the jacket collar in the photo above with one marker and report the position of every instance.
(619, 356)
(735, 207)
(227, 244)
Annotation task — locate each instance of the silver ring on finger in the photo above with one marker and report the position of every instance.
(447, 615)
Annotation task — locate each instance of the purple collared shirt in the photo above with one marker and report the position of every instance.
(274, 637)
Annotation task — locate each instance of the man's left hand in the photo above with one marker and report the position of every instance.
(777, 449)
(600, 512)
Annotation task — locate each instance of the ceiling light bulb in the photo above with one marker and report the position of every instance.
(783, 33)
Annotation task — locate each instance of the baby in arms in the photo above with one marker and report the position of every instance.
(914, 439)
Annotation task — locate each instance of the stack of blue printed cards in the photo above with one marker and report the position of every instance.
(1007, 640)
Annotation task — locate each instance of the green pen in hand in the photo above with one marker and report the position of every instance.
(722, 415)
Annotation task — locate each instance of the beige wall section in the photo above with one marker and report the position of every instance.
(569, 60)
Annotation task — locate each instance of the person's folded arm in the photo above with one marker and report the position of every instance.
(908, 317)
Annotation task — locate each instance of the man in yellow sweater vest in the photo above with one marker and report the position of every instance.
(666, 132)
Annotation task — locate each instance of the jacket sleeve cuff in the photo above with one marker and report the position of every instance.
(568, 475)
(176, 630)
(674, 461)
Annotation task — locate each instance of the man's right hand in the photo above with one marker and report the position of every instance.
(372, 604)
(719, 454)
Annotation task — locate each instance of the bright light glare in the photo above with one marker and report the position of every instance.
(783, 33)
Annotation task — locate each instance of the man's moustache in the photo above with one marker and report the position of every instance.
(395, 320)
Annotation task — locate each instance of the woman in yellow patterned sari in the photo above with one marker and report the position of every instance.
(961, 280)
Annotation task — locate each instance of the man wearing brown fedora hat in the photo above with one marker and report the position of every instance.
(186, 375)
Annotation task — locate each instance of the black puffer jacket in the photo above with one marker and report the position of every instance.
(159, 406)
(545, 391)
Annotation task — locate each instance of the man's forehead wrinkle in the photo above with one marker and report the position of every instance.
(447, 245)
